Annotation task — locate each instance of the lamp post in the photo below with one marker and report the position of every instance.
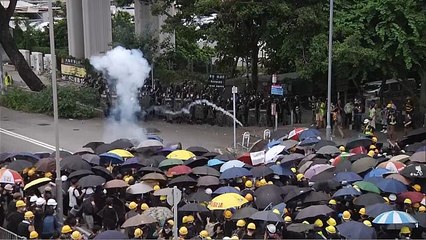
(234, 92)
(330, 50)
(58, 181)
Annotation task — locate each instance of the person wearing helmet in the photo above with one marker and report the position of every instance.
(167, 231)
(190, 225)
(27, 225)
(241, 228)
(331, 233)
(408, 121)
(362, 214)
(250, 233)
(39, 214)
(405, 233)
(183, 232)
(271, 232)
(368, 129)
(133, 210)
(16, 216)
(204, 235)
(138, 233)
(66, 231)
(346, 216)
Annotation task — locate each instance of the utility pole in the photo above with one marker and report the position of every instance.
(234, 92)
(330, 51)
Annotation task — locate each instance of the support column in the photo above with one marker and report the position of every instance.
(75, 28)
(97, 26)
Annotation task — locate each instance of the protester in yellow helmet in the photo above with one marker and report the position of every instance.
(76, 235)
(138, 233)
(250, 233)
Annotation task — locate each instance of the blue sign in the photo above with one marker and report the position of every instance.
(277, 90)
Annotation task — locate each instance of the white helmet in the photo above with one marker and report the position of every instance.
(208, 191)
(366, 121)
(51, 202)
(271, 228)
(40, 201)
(33, 199)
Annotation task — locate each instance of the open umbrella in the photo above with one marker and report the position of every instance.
(363, 164)
(415, 170)
(19, 165)
(168, 163)
(74, 163)
(183, 180)
(197, 150)
(149, 144)
(210, 155)
(111, 234)
(316, 169)
(116, 183)
(91, 158)
(110, 158)
(394, 218)
(193, 207)
(323, 143)
(132, 163)
(399, 177)
(196, 161)
(356, 230)
(296, 193)
(80, 173)
(315, 197)
(281, 170)
(261, 171)
(122, 143)
(36, 183)
(289, 144)
(235, 172)
(328, 150)
(269, 194)
(391, 186)
(91, 181)
(231, 164)
(140, 219)
(309, 133)
(8, 176)
(300, 227)
(278, 134)
(349, 177)
(206, 181)
(215, 162)
(154, 176)
(346, 191)
(181, 154)
(326, 186)
(161, 214)
(294, 134)
(267, 216)
(226, 201)
(273, 152)
(418, 157)
(308, 141)
(377, 209)
(313, 211)
(139, 188)
(103, 172)
(416, 135)
(104, 148)
(394, 167)
(244, 212)
(145, 170)
(415, 197)
(23, 156)
(226, 189)
(93, 145)
(399, 158)
(84, 151)
(368, 199)
(179, 170)
(288, 159)
(377, 172)
(358, 142)
(46, 165)
(122, 153)
(205, 171)
(200, 196)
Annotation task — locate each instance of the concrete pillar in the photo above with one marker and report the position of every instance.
(38, 62)
(97, 26)
(47, 62)
(75, 28)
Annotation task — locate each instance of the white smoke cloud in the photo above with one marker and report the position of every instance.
(127, 71)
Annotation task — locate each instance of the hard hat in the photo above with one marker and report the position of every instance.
(332, 222)
(276, 211)
(8, 187)
(31, 172)
(33, 199)
(183, 231)
(227, 214)
(293, 169)
(300, 176)
(417, 187)
(20, 203)
(144, 206)
(127, 179)
(332, 202)
(407, 201)
(133, 205)
(362, 211)
(305, 222)
(249, 197)
(235, 237)
(171, 222)
(346, 215)
(236, 187)
(248, 184)
(342, 148)
(28, 214)
(386, 199)
(76, 235)
(64, 178)
(371, 153)
(374, 139)
(138, 232)
(392, 197)
(287, 219)
(271, 228)
(262, 182)
(241, 223)
(52, 202)
(163, 197)
(48, 175)
(318, 223)
(209, 191)
(204, 234)
(330, 229)
(251, 226)
(366, 121)
(257, 184)
(389, 105)
(270, 183)
(367, 223)
(33, 235)
(40, 201)
(66, 229)
(156, 187)
(190, 218)
(405, 230)
(372, 147)
(184, 219)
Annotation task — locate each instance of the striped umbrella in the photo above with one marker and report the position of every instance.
(395, 217)
(8, 176)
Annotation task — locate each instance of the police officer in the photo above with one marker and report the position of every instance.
(7, 81)
(409, 110)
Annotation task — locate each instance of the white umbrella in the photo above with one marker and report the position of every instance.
(273, 152)
(139, 188)
(231, 164)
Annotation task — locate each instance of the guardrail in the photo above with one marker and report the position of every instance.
(6, 234)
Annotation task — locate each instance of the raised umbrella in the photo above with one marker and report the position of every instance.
(231, 164)
(152, 161)
(377, 172)
(326, 185)
(356, 230)
(84, 151)
(138, 220)
(418, 157)
(215, 162)
(196, 161)
(91, 181)
(8, 176)
(309, 133)
(421, 218)
(279, 134)
(289, 144)
(110, 158)
(116, 183)
(281, 170)
(205, 171)
(315, 197)
(358, 142)
(183, 180)
(62, 154)
(313, 211)
(104, 148)
(358, 151)
(149, 144)
(343, 157)
(93, 145)
(36, 183)
(122, 143)
(181, 154)
(74, 163)
(391, 186)
(261, 171)
(91, 158)
(346, 191)
(394, 218)
(245, 158)
(296, 193)
(343, 166)
(415, 170)
(200, 196)
(363, 164)
(80, 173)
(178, 170)
(154, 176)
(394, 167)
(161, 214)
(273, 152)
(305, 166)
(308, 141)
(206, 181)
(328, 150)
(259, 145)
(244, 212)
(280, 207)
(139, 188)
(226, 189)
(377, 209)
(368, 199)
(168, 163)
(349, 177)
(323, 176)
(235, 172)
(317, 169)
(288, 159)
(300, 227)
(416, 135)
(399, 158)
(197, 150)
(267, 216)
(226, 201)
(132, 163)
(398, 177)
(46, 165)
(193, 207)
(269, 194)
(19, 165)
(294, 134)
(210, 155)
(145, 170)
(421, 149)
(23, 156)
(111, 234)
(288, 188)
(103, 172)
(415, 197)
(323, 143)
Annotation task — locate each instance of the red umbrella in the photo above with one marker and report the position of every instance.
(245, 158)
(179, 170)
(294, 134)
(342, 157)
(359, 150)
(415, 197)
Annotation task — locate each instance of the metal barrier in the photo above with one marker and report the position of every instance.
(246, 140)
(6, 234)
(267, 134)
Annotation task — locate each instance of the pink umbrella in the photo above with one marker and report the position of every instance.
(294, 134)
(316, 169)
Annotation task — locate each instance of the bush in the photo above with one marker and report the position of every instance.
(73, 102)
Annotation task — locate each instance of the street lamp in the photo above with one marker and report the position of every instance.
(330, 50)
(58, 180)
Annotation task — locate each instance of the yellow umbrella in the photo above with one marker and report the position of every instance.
(37, 182)
(181, 154)
(226, 200)
(122, 153)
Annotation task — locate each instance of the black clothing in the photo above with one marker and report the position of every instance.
(23, 229)
(13, 220)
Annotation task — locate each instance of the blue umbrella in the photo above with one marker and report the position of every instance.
(281, 170)
(349, 177)
(280, 207)
(346, 191)
(309, 133)
(23, 156)
(356, 230)
(226, 189)
(377, 172)
(394, 217)
(309, 141)
(421, 149)
(132, 162)
(274, 143)
(235, 172)
(373, 180)
(391, 185)
(107, 158)
(377, 209)
(214, 162)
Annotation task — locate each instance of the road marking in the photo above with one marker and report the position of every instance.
(28, 139)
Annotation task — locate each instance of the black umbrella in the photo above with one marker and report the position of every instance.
(416, 135)
(413, 147)
(289, 159)
(328, 174)
(103, 172)
(206, 181)
(323, 143)
(205, 171)
(74, 163)
(315, 197)
(151, 161)
(328, 150)
(80, 173)
(244, 212)
(199, 151)
(91, 181)
(364, 142)
(415, 170)
(182, 180)
(193, 207)
(225, 157)
(259, 145)
(300, 227)
(91, 158)
(196, 161)
(210, 155)
(19, 165)
(93, 145)
(106, 147)
(290, 143)
(279, 133)
(200, 196)
(368, 199)
(149, 170)
(363, 164)
(46, 165)
(261, 171)
(296, 193)
(62, 154)
(327, 185)
(421, 217)
(343, 166)
(111, 234)
(377, 209)
(356, 230)
(4, 156)
(122, 144)
(313, 211)
(267, 216)
(266, 195)
(288, 188)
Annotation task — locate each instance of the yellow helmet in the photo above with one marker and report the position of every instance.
(190, 218)
(407, 201)
(31, 172)
(235, 237)
(241, 223)
(293, 169)
(362, 211)
(276, 211)
(184, 219)
(28, 214)
(372, 147)
(422, 209)
(227, 214)
(66, 229)
(138, 232)
(342, 148)
(204, 234)
(386, 199)
(76, 235)
(367, 223)
(249, 197)
(287, 219)
(330, 229)
(318, 223)
(48, 175)
(171, 222)
(248, 184)
(251, 226)
(300, 176)
(20, 203)
(144, 206)
(417, 187)
(133, 205)
(346, 215)
(262, 182)
(183, 231)
(405, 230)
(389, 105)
(156, 187)
(374, 139)
(332, 202)
(163, 198)
(332, 222)
(371, 153)
(33, 235)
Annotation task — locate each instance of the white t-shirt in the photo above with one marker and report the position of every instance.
(73, 194)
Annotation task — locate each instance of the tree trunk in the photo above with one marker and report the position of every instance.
(254, 66)
(422, 104)
(11, 49)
